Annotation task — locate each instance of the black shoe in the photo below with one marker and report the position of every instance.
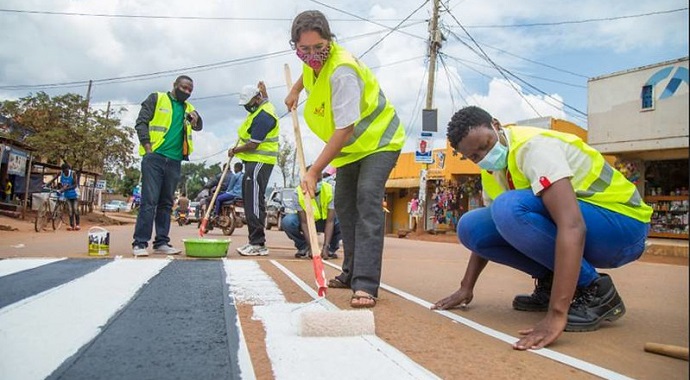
(539, 299)
(303, 253)
(596, 303)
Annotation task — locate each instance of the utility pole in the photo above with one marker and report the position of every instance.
(429, 115)
(88, 99)
(434, 45)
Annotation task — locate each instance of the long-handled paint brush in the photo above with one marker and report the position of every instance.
(204, 221)
(319, 273)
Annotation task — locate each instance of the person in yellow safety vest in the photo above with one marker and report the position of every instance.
(295, 225)
(164, 127)
(258, 148)
(556, 211)
(8, 189)
(347, 109)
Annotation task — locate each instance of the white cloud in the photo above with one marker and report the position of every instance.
(59, 48)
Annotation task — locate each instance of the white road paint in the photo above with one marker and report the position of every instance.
(296, 357)
(71, 315)
(11, 266)
(243, 358)
(545, 352)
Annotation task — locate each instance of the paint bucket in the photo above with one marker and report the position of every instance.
(99, 241)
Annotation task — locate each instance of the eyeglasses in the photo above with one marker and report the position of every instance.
(312, 49)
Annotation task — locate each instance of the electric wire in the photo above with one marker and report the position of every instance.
(496, 66)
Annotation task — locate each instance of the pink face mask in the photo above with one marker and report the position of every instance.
(315, 60)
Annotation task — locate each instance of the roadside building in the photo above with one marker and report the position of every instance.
(640, 116)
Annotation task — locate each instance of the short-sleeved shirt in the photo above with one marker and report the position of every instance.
(262, 124)
(346, 95)
(172, 145)
(544, 160)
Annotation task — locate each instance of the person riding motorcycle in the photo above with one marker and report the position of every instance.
(181, 205)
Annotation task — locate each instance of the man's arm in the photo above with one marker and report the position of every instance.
(148, 108)
(262, 124)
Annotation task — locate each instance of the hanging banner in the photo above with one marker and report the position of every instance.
(16, 163)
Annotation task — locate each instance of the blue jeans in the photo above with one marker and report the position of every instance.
(517, 231)
(219, 201)
(159, 178)
(291, 225)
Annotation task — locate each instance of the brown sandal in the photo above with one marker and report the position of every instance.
(357, 297)
(335, 283)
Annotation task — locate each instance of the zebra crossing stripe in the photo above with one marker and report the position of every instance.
(11, 266)
(40, 332)
(26, 283)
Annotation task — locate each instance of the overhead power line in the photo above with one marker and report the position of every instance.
(483, 54)
(556, 23)
(228, 18)
(163, 17)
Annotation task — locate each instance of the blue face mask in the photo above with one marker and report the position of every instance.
(497, 158)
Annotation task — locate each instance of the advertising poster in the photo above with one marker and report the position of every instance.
(16, 163)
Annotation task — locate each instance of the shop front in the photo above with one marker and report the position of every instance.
(640, 116)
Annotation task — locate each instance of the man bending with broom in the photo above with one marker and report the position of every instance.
(258, 149)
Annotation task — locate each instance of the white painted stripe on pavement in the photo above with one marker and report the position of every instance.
(545, 352)
(404, 362)
(11, 266)
(244, 360)
(41, 332)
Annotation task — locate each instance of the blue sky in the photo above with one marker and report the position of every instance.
(552, 47)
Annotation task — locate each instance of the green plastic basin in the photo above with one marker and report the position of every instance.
(206, 247)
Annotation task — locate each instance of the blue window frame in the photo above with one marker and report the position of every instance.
(647, 97)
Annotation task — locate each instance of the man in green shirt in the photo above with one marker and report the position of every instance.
(164, 127)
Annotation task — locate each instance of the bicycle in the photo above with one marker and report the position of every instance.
(57, 214)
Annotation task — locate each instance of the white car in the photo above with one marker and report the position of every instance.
(115, 206)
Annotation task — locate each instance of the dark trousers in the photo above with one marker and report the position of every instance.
(293, 229)
(73, 210)
(256, 176)
(359, 191)
(159, 178)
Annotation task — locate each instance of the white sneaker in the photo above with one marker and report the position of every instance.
(255, 250)
(139, 251)
(245, 248)
(166, 249)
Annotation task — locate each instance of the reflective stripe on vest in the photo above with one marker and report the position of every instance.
(267, 151)
(602, 186)
(379, 128)
(325, 197)
(161, 122)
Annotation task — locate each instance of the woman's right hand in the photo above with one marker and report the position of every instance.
(291, 100)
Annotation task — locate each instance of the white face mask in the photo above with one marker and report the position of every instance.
(496, 158)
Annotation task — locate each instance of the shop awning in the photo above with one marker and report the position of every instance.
(402, 183)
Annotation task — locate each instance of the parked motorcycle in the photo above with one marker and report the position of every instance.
(231, 217)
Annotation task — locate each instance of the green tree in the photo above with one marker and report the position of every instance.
(65, 130)
(286, 160)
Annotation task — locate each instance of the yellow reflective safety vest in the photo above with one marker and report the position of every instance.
(267, 150)
(378, 128)
(162, 119)
(603, 185)
(325, 197)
